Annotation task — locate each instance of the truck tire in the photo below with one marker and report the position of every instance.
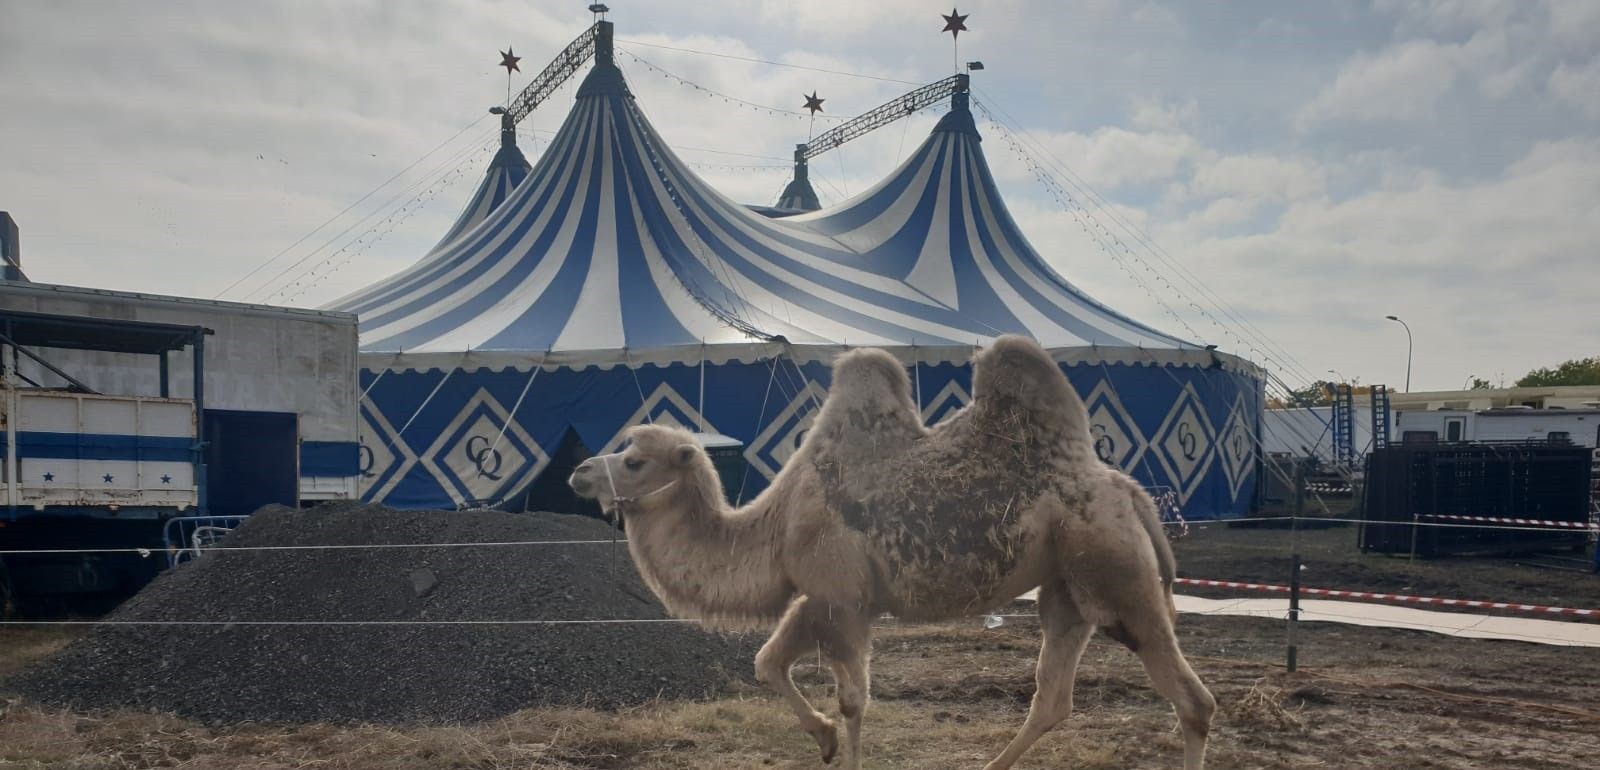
(8, 604)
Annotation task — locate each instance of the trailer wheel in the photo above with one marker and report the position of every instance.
(8, 604)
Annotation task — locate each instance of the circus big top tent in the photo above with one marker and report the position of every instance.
(612, 286)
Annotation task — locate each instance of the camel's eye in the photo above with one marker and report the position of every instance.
(633, 464)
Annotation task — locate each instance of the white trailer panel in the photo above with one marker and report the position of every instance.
(261, 359)
(76, 449)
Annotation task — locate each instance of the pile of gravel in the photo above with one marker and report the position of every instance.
(391, 673)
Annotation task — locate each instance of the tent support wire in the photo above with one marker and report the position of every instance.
(637, 385)
(431, 394)
(765, 398)
(512, 415)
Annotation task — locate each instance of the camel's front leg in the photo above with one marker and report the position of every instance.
(1065, 635)
(792, 639)
(848, 644)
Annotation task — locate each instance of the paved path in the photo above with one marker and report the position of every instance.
(1462, 624)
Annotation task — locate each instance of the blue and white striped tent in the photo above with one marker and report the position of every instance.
(506, 171)
(614, 287)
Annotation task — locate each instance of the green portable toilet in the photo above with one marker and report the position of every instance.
(727, 456)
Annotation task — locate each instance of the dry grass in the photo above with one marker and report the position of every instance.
(947, 696)
(1262, 707)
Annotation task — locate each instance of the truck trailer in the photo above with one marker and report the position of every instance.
(125, 413)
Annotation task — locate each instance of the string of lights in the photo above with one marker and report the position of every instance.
(1268, 351)
(770, 110)
(769, 62)
(1121, 254)
(385, 183)
(361, 244)
(455, 161)
(765, 168)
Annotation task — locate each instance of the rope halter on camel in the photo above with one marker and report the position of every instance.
(617, 501)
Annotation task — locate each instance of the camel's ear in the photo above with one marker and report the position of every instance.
(683, 454)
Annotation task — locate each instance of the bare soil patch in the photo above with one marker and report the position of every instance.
(949, 696)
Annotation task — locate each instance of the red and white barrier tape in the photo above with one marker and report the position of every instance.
(1381, 597)
(1583, 525)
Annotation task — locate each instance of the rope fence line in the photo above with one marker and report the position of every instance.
(1376, 522)
(1526, 525)
(1374, 596)
(329, 547)
(525, 622)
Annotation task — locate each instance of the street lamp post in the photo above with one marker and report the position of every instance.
(1397, 320)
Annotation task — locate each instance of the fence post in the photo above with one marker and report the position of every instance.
(1294, 607)
(1299, 489)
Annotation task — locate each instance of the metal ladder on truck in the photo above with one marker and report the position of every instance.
(1380, 416)
(1344, 425)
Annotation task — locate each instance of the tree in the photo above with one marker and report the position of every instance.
(1479, 383)
(1578, 371)
(1319, 393)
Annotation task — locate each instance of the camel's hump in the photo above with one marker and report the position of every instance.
(1018, 367)
(870, 391)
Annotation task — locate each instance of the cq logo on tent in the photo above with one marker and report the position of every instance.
(365, 460)
(485, 454)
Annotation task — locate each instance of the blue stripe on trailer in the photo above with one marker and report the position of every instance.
(330, 458)
(47, 445)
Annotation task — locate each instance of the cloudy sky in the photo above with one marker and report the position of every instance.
(1308, 167)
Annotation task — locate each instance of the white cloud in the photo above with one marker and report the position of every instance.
(1258, 176)
(1401, 83)
(1474, 267)
(1113, 158)
(1578, 86)
(1574, 22)
(1152, 114)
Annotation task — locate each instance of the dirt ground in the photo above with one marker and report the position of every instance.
(949, 696)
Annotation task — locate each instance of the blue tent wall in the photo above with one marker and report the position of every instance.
(1188, 429)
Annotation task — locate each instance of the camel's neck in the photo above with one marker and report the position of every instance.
(708, 561)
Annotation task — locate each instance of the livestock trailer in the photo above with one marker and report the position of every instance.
(124, 411)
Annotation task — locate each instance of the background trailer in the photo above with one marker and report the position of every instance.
(126, 411)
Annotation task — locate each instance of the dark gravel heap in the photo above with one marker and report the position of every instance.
(392, 674)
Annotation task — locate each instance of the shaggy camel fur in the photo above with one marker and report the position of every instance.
(876, 513)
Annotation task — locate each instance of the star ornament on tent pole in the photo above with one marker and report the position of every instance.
(509, 60)
(955, 24)
(813, 103)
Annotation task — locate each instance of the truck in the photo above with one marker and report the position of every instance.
(126, 415)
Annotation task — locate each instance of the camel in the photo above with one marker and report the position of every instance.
(876, 513)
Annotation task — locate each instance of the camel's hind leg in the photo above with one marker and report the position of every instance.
(1066, 633)
(1144, 625)
(1177, 682)
(793, 638)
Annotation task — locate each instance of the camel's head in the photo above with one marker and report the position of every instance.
(656, 461)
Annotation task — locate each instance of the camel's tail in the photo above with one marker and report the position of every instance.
(1166, 563)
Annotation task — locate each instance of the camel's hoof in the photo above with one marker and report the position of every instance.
(827, 737)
